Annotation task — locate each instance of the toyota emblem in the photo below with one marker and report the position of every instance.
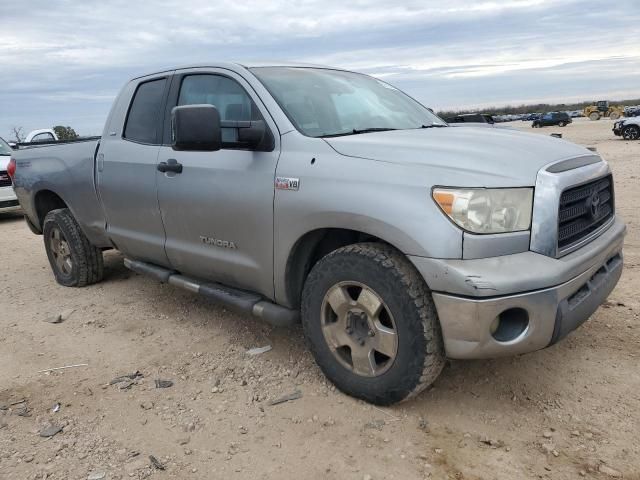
(594, 204)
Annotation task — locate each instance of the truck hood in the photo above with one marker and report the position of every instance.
(490, 155)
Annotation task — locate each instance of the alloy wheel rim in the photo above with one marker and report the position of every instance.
(61, 251)
(359, 329)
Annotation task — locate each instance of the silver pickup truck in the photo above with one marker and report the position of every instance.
(296, 192)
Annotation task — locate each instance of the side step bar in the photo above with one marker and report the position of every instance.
(235, 299)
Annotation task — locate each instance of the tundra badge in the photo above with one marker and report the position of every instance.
(216, 242)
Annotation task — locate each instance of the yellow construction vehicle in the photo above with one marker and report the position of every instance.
(603, 109)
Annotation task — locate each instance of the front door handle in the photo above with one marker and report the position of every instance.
(170, 165)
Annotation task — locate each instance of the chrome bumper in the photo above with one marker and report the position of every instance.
(557, 295)
(8, 200)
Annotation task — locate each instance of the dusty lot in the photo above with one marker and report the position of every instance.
(569, 411)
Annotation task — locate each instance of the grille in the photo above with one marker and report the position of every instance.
(5, 180)
(583, 210)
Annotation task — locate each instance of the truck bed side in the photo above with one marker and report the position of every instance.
(60, 174)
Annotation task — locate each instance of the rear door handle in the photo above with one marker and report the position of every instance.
(170, 165)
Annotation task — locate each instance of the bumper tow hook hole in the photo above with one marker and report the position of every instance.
(510, 324)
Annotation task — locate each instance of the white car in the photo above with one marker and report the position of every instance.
(42, 135)
(37, 136)
(627, 128)
(8, 199)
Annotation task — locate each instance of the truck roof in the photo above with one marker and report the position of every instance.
(236, 65)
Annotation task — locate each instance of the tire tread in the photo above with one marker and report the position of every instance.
(397, 265)
(89, 260)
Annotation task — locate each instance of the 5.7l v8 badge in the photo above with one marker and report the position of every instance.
(287, 183)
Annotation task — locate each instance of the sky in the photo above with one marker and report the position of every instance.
(63, 62)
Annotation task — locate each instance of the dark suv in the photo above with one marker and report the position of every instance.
(470, 118)
(552, 118)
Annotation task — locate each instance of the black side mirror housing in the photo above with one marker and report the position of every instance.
(196, 128)
(252, 135)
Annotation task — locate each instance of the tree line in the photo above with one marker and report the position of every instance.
(533, 108)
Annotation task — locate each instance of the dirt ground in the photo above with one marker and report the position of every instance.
(570, 411)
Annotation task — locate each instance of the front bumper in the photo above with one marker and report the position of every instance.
(617, 130)
(557, 295)
(8, 200)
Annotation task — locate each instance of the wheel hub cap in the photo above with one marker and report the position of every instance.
(359, 329)
(61, 251)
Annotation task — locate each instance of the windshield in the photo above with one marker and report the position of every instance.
(4, 148)
(322, 102)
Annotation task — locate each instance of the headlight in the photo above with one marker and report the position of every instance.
(487, 210)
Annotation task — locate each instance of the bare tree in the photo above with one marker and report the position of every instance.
(18, 134)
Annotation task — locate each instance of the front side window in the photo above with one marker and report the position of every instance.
(144, 113)
(323, 102)
(231, 100)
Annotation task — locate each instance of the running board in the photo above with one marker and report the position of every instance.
(235, 299)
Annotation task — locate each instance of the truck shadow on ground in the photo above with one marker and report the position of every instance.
(483, 385)
(11, 217)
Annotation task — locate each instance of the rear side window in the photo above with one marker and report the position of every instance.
(144, 113)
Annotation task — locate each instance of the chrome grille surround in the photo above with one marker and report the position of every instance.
(549, 188)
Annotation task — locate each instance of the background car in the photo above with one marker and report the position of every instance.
(470, 118)
(41, 135)
(627, 128)
(8, 199)
(560, 119)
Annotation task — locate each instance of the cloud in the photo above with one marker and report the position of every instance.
(64, 62)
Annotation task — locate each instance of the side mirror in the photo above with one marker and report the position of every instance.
(13, 145)
(253, 134)
(196, 128)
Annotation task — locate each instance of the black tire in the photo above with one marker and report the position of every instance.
(631, 132)
(85, 265)
(420, 352)
(562, 124)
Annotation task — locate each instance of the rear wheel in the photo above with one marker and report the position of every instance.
(371, 324)
(631, 132)
(562, 124)
(74, 260)
(614, 116)
(594, 116)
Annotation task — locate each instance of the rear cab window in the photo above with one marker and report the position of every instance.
(143, 120)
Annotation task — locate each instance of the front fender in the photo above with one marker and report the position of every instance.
(385, 200)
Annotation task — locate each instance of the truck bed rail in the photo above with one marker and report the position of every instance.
(23, 145)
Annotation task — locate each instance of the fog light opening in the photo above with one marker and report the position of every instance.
(510, 324)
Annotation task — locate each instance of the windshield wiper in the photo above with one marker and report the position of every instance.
(373, 129)
(357, 131)
(433, 125)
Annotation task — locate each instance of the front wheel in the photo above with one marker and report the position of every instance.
(594, 116)
(631, 132)
(371, 324)
(74, 260)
